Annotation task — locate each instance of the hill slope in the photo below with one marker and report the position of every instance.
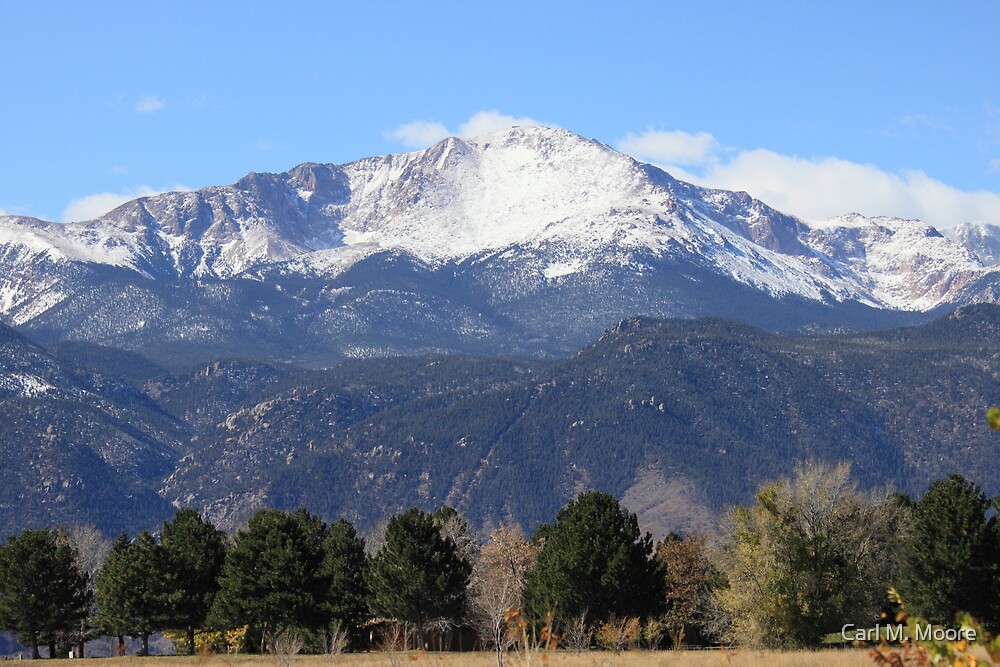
(78, 445)
(698, 411)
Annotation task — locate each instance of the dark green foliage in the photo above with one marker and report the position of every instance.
(43, 592)
(272, 578)
(344, 568)
(97, 468)
(204, 395)
(132, 593)
(418, 575)
(594, 560)
(194, 552)
(955, 554)
(288, 418)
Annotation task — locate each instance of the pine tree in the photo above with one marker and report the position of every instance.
(594, 561)
(344, 568)
(272, 579)
(418, 575)
(953, 563)
(194, 552)
(132, 595)
(43, 592)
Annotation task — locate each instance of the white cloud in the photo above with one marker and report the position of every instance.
(421, 133)
(418, 134)
(3, 212)
(814, 189)
(149, 104)
(96, 205)
(674, 147)
(484, 122)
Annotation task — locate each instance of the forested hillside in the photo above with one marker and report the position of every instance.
(678, 417)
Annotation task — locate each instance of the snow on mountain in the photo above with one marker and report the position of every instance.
(459, 198)
(903, 264)
(571, 204)
(539, 187)
(981, 239)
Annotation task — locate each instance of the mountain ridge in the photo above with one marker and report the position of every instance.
(455, 238)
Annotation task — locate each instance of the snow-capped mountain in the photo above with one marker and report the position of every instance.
(983, 240)
(528, 234)
(903, 264)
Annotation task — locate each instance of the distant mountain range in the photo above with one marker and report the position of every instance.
(170, 353)
(677, 417)
(528, 241)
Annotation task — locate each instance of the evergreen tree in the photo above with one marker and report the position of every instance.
(43, 593)
(194, 552)
(132, 594)
(953, 563)
(272, 579)
(344, 567)
(418, 575)
(594, 561)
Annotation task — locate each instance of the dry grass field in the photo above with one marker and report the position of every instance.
(714, 658)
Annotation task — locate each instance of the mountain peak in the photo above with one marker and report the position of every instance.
(536, 209)
(541, 138)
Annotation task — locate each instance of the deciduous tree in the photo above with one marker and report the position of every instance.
(92, 548)
(452, 524)
(497, 583)
(812, 554)
(688, 573)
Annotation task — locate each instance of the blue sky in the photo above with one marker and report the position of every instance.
(818, 108)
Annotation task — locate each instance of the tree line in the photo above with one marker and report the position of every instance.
(814, 552)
